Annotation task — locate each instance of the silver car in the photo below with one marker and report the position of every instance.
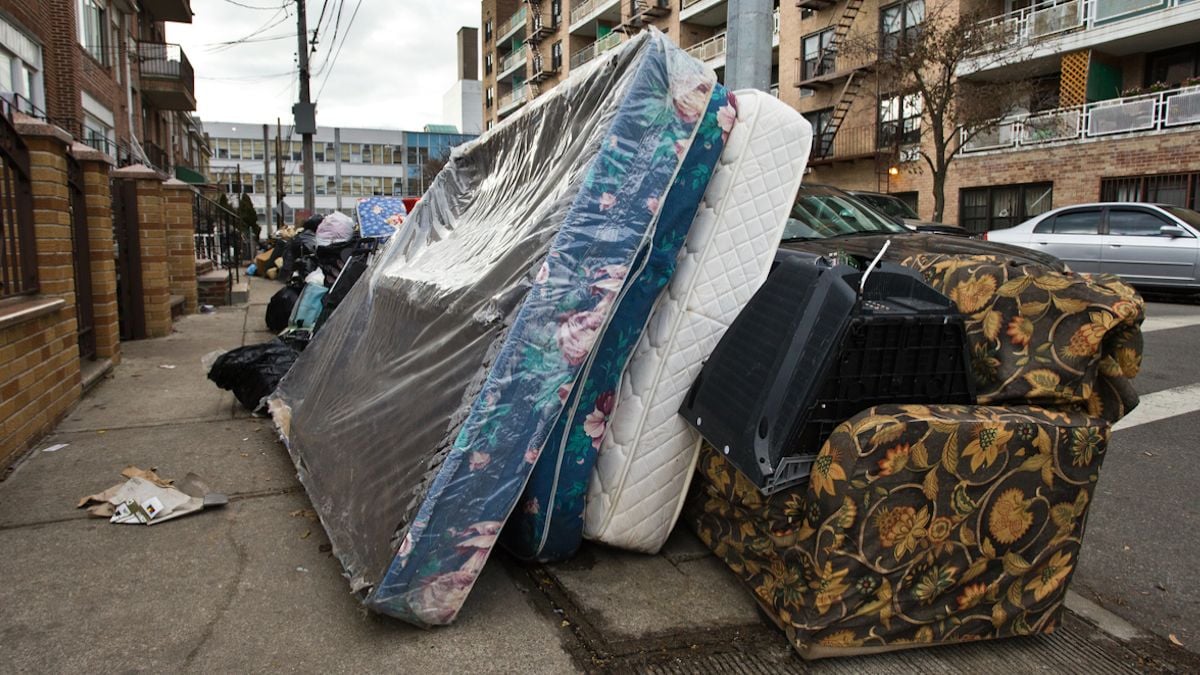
(1148, 245)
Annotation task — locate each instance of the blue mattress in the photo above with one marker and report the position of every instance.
(417, 415)
(547, 526)
(379, 217)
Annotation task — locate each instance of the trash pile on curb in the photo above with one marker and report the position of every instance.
(590, 307)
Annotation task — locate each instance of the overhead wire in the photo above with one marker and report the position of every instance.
(333, 62)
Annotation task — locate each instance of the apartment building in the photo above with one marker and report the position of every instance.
(349, 163)
(103, 71)
(528, 47)
(1116, 115)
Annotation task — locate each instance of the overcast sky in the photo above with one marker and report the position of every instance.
(398, 60)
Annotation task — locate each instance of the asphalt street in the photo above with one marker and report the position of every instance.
(1141, 546)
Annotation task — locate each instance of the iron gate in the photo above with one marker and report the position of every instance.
(130, 308)
(81, 255)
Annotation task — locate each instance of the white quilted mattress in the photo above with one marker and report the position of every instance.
(648, 452)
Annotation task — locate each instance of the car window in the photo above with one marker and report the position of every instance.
(818, 215)
(1077, 222)
(1186, 215)
(1134, 223)
(892, 206)
(1046, 226)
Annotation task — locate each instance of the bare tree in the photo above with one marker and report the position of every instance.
(922, 64)
(433, 166)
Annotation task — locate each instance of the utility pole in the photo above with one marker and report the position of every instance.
(305, 112)
(279, 193)
(267, 176)
(748, 65)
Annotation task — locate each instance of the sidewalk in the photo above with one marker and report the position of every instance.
(253, 588)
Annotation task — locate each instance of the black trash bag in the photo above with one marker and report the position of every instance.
(279, 310)
(253, 371)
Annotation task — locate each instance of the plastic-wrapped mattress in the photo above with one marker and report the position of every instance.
(648, 451)
(416, 416)
(548, 525)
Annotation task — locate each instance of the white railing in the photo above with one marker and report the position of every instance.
(775, 19)
(1051, 17)
(1132, 114)
(515, 98)
(515, 21)
(709, 49)
(583, 9)
(595, 49)
(512, 60)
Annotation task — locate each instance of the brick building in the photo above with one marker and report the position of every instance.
(1117, 115)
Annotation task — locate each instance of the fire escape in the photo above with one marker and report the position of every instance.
(542, 26)
(828, 72)
(641, 12)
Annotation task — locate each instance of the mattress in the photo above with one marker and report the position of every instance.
(548, 526)
(648, 452)
(415, 417)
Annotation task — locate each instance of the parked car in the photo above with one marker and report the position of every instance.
(1148, 245)
(895, 207)
(826, 220)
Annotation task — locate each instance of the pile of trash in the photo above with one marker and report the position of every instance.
(592, 298)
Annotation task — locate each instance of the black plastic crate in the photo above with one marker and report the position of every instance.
(808, 352)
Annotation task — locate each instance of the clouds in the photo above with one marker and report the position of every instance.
(397, 62)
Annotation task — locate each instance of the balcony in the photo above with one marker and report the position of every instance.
(847, 145)
(179, 11)
(510, 27)
(167, 80)
(512, 62)
(1049, 28)
(704, 12)
(649, 8)
(586, 16)
(1144, 114)
(595, 49)
(830, 67)
(516, 98)
(712, 50)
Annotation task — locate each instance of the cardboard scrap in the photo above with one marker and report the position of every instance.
(145, 498)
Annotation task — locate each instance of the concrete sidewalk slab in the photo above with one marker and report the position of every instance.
(235, 590)
(232, 456)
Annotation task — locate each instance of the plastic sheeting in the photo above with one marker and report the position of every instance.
(416, 416)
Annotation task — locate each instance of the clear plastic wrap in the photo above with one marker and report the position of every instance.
(415, 417)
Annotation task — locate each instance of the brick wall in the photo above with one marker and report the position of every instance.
(39, 362)
(152, 243)
(98, 194)
(181, 244)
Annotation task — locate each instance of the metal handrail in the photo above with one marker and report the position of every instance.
(595, 49)
(513, 22)
(513, 59)
(1131, 114)
(1052, 17)
(583, 9)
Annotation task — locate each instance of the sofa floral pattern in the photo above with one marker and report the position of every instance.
(938, 524)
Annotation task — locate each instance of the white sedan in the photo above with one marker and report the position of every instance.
(1148, 245)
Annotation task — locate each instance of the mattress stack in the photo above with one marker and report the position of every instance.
(536, 314)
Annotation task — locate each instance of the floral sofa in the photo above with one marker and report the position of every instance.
(939, 524)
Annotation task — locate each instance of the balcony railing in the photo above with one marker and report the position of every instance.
(684, 4)
(581, 10)
(709, 49)
(513, 60)
(714, 47)
(515, 21)
(167, 75)
(514, 99)
(595, 49)
(1133, 114)
(1052, 17)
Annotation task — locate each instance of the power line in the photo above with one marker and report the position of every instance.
(242, 4)
(345, 35)
(317, 31)
(270, 23)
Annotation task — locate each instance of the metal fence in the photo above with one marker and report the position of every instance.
(220, 236)
(18, 252)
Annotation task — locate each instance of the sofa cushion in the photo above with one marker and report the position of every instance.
(920, 525)
(1039, 336)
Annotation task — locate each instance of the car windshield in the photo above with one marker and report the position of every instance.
(822, 214)
(1186, 215)
(889, 205)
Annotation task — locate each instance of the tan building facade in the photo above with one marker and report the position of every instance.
(1116, 113)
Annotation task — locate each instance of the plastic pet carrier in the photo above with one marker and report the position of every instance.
(814, 347)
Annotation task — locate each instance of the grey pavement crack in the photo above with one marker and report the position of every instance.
(231, 592)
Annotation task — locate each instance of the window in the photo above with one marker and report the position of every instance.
(1086, 221)
(899, 120)
(490, 97)
(1173, 66)
(999, 206)
(1178, 189)
(93, 28)
(555, 13)
(487, 30)
(819, 119)
(257, 149)
(556, 56)
(818, 57)
(487, 64)
(900, 22)
(221, 147)
(1134, 223)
